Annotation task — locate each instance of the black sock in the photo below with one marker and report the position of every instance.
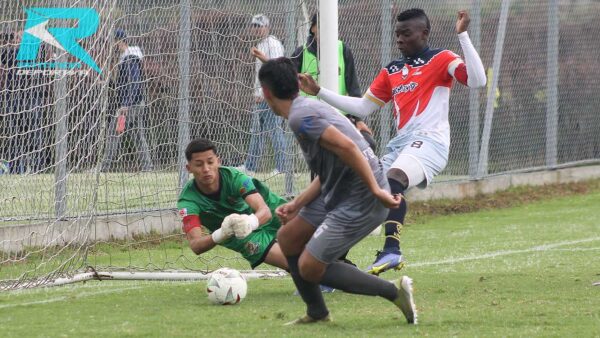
(394, 220)
(310, 292)
(350, 279)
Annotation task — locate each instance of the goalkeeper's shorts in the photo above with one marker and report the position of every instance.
(255, 247)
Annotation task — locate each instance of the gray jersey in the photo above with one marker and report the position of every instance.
(308, 119)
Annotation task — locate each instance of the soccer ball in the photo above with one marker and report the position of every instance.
(226, 287)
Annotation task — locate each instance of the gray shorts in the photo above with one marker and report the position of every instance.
(341, 228)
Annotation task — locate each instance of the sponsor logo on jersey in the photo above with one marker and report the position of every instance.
(409, 87)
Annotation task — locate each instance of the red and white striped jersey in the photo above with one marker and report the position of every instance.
(419, 88)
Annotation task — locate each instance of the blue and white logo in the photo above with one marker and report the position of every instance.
(63, 38)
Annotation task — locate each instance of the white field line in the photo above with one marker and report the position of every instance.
(70, 297)
(577, 249)
(545, 247)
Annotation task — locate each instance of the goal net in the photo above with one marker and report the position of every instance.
(77, 205)
(80, 201)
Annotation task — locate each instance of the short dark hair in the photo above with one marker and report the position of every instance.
(199, 145)
(120, 35)
(314, 19)
(414, 13)
(281, 77)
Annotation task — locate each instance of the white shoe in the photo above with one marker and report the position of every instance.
(405, 301)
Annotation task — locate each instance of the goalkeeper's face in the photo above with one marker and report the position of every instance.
(205, 167)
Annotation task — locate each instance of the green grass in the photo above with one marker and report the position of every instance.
(520, 271)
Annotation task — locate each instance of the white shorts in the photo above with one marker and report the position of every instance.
(419, 156)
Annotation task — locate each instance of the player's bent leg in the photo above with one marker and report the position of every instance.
(276, 258)
(311, 269)
(293, 236)
(391, 256)
(350, 279)
(406, 171)
(310, 292)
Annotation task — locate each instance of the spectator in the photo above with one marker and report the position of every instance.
(306, 59)
(128, 85)
(264, 121)
(23, 100)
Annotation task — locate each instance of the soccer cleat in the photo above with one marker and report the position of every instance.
(324, 289)
(386, 261)
(306, 319)
(405, 301)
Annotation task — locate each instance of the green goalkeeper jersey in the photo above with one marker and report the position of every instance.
(234, 186)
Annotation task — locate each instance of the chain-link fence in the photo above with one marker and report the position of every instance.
(63, 156)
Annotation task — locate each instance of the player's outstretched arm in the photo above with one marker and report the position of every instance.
(470, 73)
(333, 140)
(201, 242)
(261, 210)
(356, 106)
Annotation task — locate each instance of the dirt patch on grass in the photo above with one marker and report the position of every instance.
(419, 212)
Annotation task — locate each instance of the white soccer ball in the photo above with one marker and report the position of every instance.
(226, 287)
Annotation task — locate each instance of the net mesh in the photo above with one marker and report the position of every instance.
(74, 193)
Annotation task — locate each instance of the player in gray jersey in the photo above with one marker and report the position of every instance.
(342, 205)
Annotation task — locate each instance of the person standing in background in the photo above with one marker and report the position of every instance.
(130, 115)
(264, 121)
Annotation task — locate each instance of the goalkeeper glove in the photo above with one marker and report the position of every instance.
(244, 225)
(226, 229)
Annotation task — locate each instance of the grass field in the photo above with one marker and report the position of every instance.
(519, 271)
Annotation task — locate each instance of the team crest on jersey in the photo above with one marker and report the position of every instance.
(404, 72)
(252, 248)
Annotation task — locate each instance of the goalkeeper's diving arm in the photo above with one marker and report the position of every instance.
(261, 210)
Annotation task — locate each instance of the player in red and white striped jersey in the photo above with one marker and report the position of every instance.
(418, 85)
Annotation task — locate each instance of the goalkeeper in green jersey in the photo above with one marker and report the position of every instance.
(236, 209)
